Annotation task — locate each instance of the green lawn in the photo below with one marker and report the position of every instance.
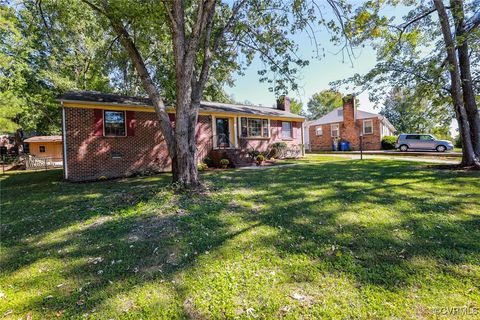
(323, 239)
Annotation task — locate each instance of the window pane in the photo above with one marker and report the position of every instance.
(114, 123)
(368, 127)
(286, 129)
(243, 125)
(265, 128)
(335, 130)
(319, 131)
(254, 127)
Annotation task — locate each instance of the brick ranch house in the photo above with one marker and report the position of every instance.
(108, 135)
(347, 123)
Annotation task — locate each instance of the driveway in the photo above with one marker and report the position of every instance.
(411, 157)
(432, 154)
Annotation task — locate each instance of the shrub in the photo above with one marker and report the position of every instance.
(277, 150)
(260, 158)
(208, 161)
(388, 142)
(202, 166)
(279, 145)
(253, 153)
(224, 162)
(458, 142)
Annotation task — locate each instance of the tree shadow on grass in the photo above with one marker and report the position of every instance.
(109, 244)
(427, 222)
(115, 236)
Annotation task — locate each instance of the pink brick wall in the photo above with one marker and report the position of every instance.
(275, 136)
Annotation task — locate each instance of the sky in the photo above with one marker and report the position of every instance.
(312, 78)
(318, 74)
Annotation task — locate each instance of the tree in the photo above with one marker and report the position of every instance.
(462, 34)
(410, 112)
(420, 54)
(46, 50)
(296, 106)
(33, 71)
(197, 36)
(456, 90)
(322, 103)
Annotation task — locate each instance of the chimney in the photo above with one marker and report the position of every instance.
(350, 130)
(349, 110)
(283, 103)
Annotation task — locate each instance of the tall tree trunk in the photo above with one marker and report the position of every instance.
(185, 125)
(466, 75)
(468, 158)
(18, 138)
(181, 141)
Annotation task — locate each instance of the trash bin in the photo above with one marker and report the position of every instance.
(344, 146)
(335, 146)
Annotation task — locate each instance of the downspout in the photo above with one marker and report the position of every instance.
(303, 140)
(64, 134)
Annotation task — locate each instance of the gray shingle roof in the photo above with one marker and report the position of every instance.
(121, 100)
(335, 116)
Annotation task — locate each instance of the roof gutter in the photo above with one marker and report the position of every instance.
(92, 104)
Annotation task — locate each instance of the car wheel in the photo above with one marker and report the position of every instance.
(403, 147)
(441, 148)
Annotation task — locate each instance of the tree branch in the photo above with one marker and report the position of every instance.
(144, 75)
(44, 20)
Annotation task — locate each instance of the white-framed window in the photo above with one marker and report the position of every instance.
(254, 128)
(287, 130)
(367, 126)
(319, 131)
(335, 129)
(114, 123)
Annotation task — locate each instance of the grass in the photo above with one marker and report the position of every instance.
(326, 238)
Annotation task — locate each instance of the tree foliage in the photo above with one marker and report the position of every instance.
(40, 57)
(323, 102)
(296, 106)
(421, 56)
(409, 112)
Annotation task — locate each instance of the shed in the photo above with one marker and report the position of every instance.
(45, 146)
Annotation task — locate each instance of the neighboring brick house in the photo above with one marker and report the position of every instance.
(107, 135)
(347, 123)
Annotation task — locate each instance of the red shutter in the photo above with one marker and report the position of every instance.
(130, 115)
(294, 130)
(98, 122)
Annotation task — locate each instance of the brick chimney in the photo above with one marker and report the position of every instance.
(350, 130)
(349, 109)
(283, 103)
